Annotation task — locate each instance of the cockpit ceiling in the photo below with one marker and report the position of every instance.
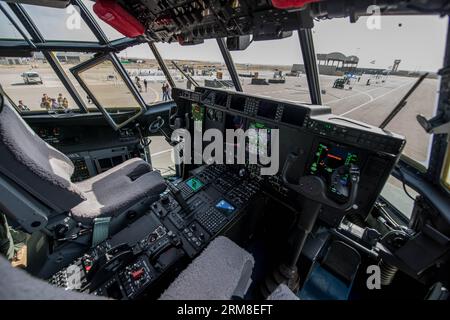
(190, 22)
(45, 3)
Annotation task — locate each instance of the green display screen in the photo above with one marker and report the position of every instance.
(198, 112)
(255, 144)
(327, 159)
(194, 184)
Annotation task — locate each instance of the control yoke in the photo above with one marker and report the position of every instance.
(157, 126)
(314, 188)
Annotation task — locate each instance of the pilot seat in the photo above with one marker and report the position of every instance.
(36, 190)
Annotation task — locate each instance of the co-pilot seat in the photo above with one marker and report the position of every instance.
(39, 171)
(223, 271)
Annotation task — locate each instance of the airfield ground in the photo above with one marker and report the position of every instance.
(369, 104)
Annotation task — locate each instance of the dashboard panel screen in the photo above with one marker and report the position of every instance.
(221, 99)
(293, 115)
(225, 207)
(237, 103)
(267, 109)
(194, 184)
(207, 97)
(328, 161)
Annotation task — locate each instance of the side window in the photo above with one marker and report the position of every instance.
(68, 60)
(446, 171)
(202, 62)
(365, 74)
(60, 24)
(33, 85)
(395, 193)
(146, 75)
(7, 29)
(144, 72)
(106, 85)
(273, 68)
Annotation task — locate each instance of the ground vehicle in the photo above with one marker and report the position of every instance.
(31, 77)
(339, 83)
(209, 200)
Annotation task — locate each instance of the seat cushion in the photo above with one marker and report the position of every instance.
(112, 192)
(216, 274)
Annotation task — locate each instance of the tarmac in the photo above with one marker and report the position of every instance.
(368, 103)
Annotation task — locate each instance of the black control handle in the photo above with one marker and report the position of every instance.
(176, 192)
(314, 188)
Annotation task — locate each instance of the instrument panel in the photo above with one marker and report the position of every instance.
(317, 120)
(92, 149)
(265, 109)
(131, 263)
(326, 142)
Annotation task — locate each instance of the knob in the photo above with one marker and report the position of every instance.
(165, 199)
(152, 237)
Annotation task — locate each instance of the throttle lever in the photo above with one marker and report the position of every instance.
(176, 192)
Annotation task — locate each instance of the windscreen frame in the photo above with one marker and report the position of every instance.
(77, 70)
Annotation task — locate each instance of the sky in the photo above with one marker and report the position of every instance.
(418, 41)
